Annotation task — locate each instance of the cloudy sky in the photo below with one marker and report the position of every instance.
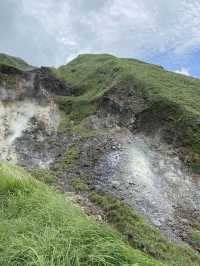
(52, 32)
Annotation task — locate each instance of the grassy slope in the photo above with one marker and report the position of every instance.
(14, 62)
(92, 75)
(40, 228)
(95, 73)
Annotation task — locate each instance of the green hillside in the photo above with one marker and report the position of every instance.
(174, 96)
(95, 73)
(41, 228)
(14, 62)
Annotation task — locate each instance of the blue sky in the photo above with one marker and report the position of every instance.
(188, 64)
(52, 32)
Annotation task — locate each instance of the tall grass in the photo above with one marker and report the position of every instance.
(41, 228)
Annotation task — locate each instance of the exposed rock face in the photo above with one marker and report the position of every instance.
(124, 104)
(29, 117)
(17, 116)
(45, 80)
(144, 172)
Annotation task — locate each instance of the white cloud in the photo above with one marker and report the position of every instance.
(50, 31)
(183, 71)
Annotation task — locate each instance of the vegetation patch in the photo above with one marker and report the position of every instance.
(90, 75)
(79, 185)
(195, 239)
(43, 175)
(85, 132)
(195, 167)
(74, 110)
(41, 228)
(142, 236)
(68, 160)
(15, 62)
(71, 155)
